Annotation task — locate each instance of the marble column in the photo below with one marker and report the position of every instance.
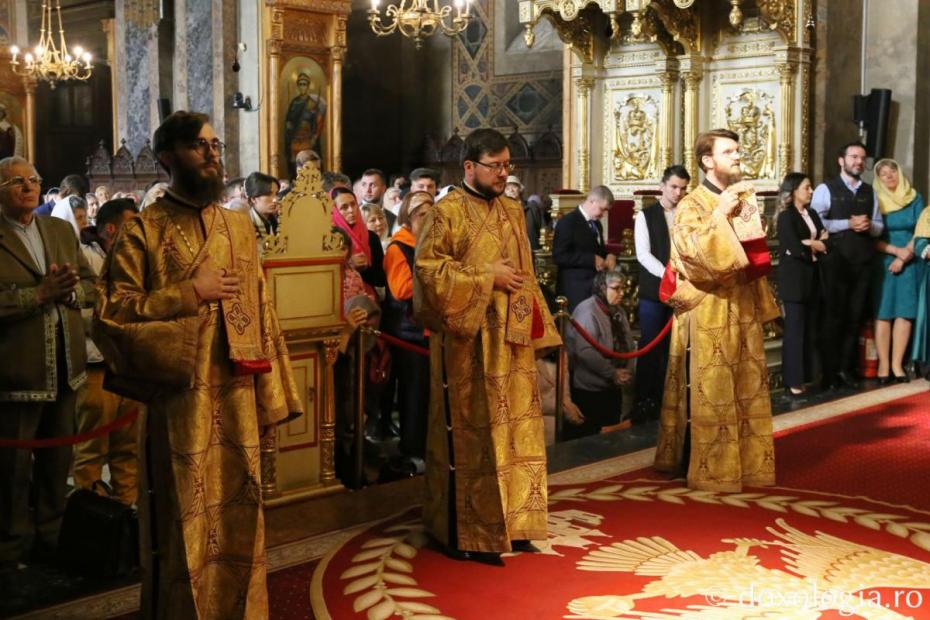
(692, 80)
(786, 73)
(136, 72)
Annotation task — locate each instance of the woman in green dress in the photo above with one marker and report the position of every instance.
(901, 207)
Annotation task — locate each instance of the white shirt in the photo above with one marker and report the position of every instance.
(643, 248)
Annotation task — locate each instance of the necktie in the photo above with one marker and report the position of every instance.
(596, 230)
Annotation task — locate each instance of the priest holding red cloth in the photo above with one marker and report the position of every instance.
(716, 421)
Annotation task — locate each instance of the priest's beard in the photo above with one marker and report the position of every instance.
(729, 177)
(203, 184)
(488, 191)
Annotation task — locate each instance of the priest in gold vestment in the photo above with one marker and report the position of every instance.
(185, 324)
(716, 419)
(476, 292)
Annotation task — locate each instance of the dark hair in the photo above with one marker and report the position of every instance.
(482, 142)
(849, 145)
(338, 191)
(111, 211)
(74, 185)
(259, 184)
(346, 239)
(332, 179)
(284, 192)
(676, 170)
(374, 171)
(403, 214)
(77, 202)
(704, 145)
(789, 184)
(180, 126)
(429, 173)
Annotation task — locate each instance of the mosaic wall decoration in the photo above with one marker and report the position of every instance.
(531, 102)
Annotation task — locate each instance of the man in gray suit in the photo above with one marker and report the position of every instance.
(44, 282)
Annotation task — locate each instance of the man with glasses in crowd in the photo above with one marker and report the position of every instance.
(44, 282)
(186, 325)
(476, 292)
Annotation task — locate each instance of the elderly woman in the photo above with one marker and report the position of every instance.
(377, 223)
(901, 207)
(597, 380)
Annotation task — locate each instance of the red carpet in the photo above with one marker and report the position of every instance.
(637, 547)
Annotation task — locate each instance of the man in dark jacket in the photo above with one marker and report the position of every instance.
(578, 247)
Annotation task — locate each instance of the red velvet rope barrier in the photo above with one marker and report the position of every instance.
(617, 354)
(403, 344)
(70, 440)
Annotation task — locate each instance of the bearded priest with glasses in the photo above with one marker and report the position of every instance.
(476, 292)
(186, 325)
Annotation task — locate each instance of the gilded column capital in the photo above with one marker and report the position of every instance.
(692, 79)
(786, 70)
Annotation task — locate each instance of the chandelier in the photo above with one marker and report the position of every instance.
(418, 19)
(48, 61)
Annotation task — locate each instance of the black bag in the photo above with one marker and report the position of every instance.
(99, 535)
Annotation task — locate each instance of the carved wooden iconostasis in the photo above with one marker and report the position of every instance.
(304, 45)
(648, 76)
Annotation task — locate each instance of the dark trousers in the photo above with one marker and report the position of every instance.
(44, 471)
(601, 408)
(412, 399)
(797, 343)
(846, 289)
(650, 369)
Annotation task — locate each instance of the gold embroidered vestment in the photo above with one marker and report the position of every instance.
(203, 421)
(719, 315)
(484, 338)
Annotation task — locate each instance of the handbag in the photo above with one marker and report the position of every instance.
(99, 535)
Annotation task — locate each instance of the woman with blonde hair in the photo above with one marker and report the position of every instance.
(901, 207)
(376, 222)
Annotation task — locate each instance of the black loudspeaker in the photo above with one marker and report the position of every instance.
(164, 107)
(871, 112)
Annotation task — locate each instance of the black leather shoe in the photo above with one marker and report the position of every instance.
(902, 379)
(796, 399)
(848, 379)
(885, 380)
(524, 546)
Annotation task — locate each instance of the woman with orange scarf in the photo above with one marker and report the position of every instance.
(901, 207)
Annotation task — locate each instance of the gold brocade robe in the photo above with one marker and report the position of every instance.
(495, 428)
(719, 315)
(203, 423)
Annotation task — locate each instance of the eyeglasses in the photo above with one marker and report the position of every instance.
(498, 166)
(21, 181)
(204, 145)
